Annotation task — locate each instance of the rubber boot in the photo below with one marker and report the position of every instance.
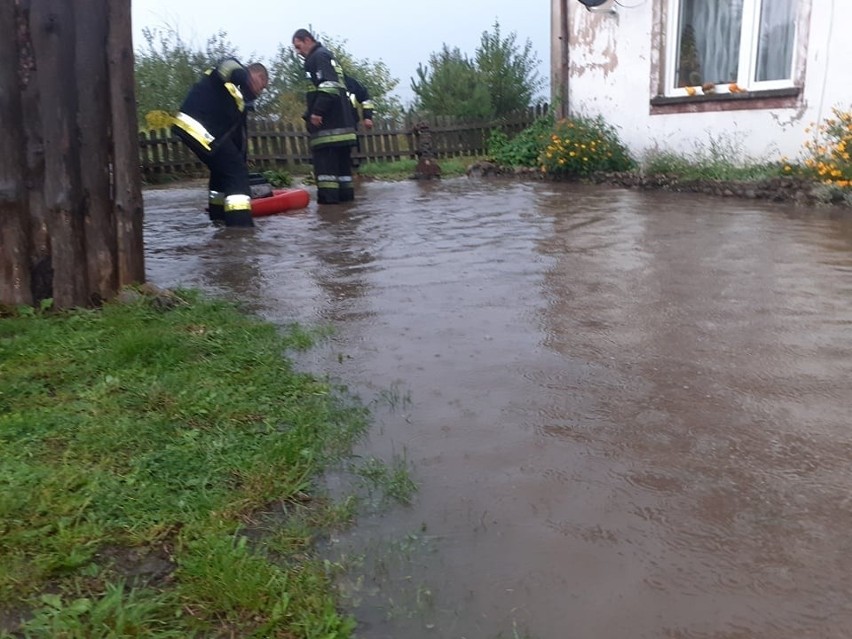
(347, 188)
(238, 210)
(217, 213)
(240, 217)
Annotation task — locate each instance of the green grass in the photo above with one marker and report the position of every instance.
(404, 169)
(690, 169)
(143, 447)
(719, 158)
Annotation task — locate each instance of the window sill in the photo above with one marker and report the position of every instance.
(773, 99)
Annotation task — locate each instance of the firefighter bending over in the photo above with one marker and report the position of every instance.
(212, 122)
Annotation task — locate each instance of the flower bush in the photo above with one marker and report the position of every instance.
(827, 154)
(582, 146)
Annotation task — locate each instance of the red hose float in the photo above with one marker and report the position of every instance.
(281, 201)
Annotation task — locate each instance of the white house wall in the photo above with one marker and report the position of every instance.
(612, 65)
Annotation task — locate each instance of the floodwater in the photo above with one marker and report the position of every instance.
(629, 414)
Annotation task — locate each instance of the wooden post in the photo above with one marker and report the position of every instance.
(127, 184)
(15, 283)
(40, 258)
(70, 188)
(560, 70)
(93, 118)
(53, 39)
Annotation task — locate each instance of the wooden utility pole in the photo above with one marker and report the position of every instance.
(70, 186)
(560, 70)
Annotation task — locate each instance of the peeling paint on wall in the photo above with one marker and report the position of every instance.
(593, 41)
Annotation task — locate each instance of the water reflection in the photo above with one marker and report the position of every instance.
(345, 252)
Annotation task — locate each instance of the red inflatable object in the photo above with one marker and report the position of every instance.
(280, 201)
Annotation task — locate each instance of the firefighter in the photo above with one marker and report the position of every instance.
(329, 121)
(359, 98)
(212, 122)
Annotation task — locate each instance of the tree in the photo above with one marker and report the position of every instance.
(501, 78)
(509, 72)
(451, 85)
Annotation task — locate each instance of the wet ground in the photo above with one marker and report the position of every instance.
(629, 414)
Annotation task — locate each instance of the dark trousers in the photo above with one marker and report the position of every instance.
(333, 172)
(229, 177)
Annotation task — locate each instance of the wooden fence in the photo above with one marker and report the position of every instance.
(286, 146)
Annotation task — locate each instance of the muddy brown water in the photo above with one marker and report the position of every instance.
(629, 414)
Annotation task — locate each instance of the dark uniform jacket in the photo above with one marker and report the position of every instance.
(359, 96)
(328, 99)
(217, 105)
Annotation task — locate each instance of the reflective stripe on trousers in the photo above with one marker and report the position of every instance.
(237, 203)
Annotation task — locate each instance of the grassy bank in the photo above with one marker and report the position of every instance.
(159, 458)
(404, 169)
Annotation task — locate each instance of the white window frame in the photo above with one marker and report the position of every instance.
(749, 40)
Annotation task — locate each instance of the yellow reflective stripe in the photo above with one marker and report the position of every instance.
(328, 84)
(329, 139)
(216, 197)
(195, 129)
(236, 94)
(237, 203)
(367, 104)
(226, 68)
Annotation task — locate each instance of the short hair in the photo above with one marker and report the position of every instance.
(303, 34)
(259, 69)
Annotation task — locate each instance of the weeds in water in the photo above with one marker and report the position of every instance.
(395, 397)
(391, 481)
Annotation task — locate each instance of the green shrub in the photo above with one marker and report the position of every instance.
(278, 178)
(582, 146)
(523, 149)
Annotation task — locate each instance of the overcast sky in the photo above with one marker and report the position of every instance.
(402, 33)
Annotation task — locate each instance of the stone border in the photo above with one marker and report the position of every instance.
(780, 189)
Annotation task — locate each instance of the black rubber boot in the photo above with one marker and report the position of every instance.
(240, 217)
(217, 213)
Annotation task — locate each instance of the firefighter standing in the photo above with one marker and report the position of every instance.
(359, 98)
(329, 121)
(212, 122)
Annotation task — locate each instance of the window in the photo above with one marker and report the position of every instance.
(746, 43)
